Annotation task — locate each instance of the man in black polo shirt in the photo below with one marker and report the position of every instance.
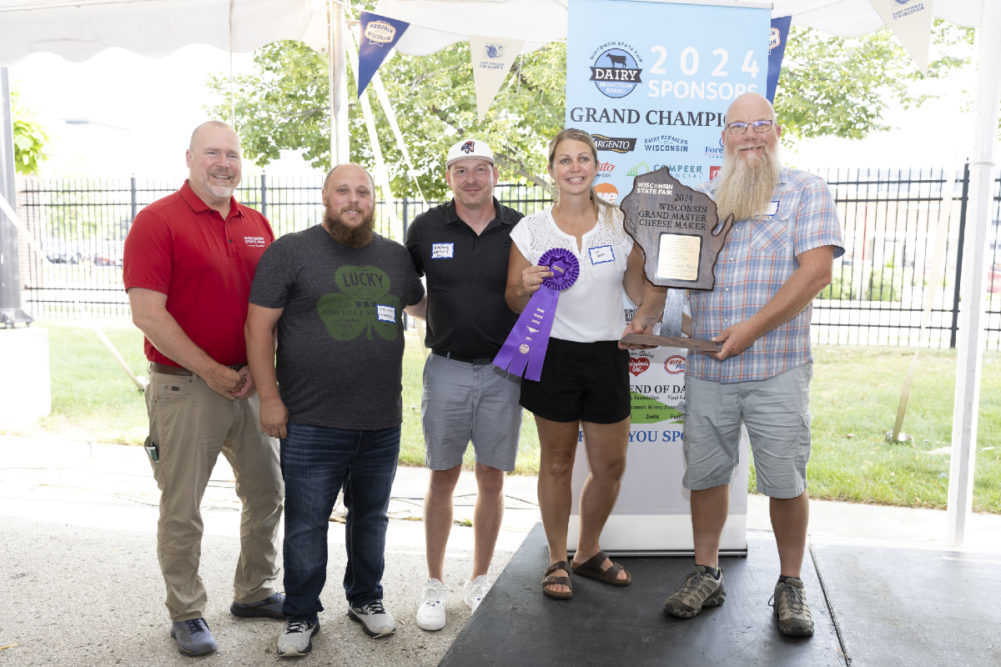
(462, 247)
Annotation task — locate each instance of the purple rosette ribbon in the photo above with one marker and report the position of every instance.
(525, 348)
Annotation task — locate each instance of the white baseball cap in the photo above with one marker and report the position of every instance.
(469, 148)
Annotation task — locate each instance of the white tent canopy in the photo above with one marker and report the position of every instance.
(77, 29)
(437, 23)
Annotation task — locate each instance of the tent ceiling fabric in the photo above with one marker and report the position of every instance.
(78, 30)
(435, 24)
(851, 18)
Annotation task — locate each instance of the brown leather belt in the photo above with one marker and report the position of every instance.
(169, 370)
(177, 370)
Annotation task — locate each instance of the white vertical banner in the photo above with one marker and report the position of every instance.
(910, 21)
(491, 59)
(651, 82)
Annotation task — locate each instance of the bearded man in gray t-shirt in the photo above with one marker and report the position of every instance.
(333, 297)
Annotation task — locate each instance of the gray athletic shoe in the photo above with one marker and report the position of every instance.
(297, 638)
(789, 601)
(193, 637)
(374, 619)
(698, 591)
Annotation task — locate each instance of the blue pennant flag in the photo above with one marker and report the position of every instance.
(776, 49)
(379, 34)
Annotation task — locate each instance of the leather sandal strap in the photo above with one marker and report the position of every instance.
(558, 565)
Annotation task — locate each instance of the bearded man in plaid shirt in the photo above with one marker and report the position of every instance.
(776, 259)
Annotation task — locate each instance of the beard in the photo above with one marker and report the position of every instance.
(220, 191)
(351, 237)
(746, 186)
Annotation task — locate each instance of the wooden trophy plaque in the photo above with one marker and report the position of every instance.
(679, 232)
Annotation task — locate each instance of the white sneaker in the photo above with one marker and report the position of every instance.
(374, 619)
(297, 638)
(431, 613)
(474, 591)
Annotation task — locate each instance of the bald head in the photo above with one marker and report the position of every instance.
(753, 104)
(208, 126)
(214, 164)
(350, 166)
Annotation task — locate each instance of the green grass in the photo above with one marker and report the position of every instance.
(854, 400)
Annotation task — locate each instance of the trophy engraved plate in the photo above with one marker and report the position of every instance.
(677, 257)
(679, 232)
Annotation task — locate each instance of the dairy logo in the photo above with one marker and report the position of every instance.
(616, 72)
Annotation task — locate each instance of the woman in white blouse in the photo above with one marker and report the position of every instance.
(584, 382)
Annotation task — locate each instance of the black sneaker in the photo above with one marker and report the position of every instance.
(193, 637)
(269, 607)
(789, 601)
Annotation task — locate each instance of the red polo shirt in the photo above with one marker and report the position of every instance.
(204, 264)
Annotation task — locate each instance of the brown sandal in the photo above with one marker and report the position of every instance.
(592, 568)
(553, 580)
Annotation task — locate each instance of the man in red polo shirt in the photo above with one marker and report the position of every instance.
(188, 264)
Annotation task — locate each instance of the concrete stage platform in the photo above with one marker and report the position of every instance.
(871, 606)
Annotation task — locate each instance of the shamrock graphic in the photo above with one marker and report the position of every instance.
(355, 309)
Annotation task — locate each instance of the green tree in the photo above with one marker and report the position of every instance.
(284, 105)
(29, 139)
(829, 86)
(840, 86)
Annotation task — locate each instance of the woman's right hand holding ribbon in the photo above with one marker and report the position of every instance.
(532, 277)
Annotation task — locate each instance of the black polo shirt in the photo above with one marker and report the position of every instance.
(467, 317)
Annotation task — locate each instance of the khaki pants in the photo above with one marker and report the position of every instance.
(190, 424)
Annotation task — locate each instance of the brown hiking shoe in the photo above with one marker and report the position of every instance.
(789, 601)
(698, 591)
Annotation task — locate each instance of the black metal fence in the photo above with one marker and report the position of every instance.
(897, 284)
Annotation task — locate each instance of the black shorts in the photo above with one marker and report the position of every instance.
(588, 381)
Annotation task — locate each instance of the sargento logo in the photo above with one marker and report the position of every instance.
(614, 144)
(615, 73)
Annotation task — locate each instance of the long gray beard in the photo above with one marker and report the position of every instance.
(745, 190)
(351, 237)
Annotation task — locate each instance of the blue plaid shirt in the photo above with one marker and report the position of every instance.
(757, 258)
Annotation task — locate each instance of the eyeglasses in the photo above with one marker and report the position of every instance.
(759, 126)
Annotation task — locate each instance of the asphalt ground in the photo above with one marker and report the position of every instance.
(80, 584)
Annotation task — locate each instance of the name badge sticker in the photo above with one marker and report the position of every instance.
(773, 208)
(442, 250)
(601, 254)
(385, 313)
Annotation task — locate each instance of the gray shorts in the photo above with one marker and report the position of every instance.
(776, 413)
(464, 402)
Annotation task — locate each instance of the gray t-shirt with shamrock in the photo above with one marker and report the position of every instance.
(340, 337)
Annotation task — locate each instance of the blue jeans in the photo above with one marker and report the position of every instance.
(316, 461)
